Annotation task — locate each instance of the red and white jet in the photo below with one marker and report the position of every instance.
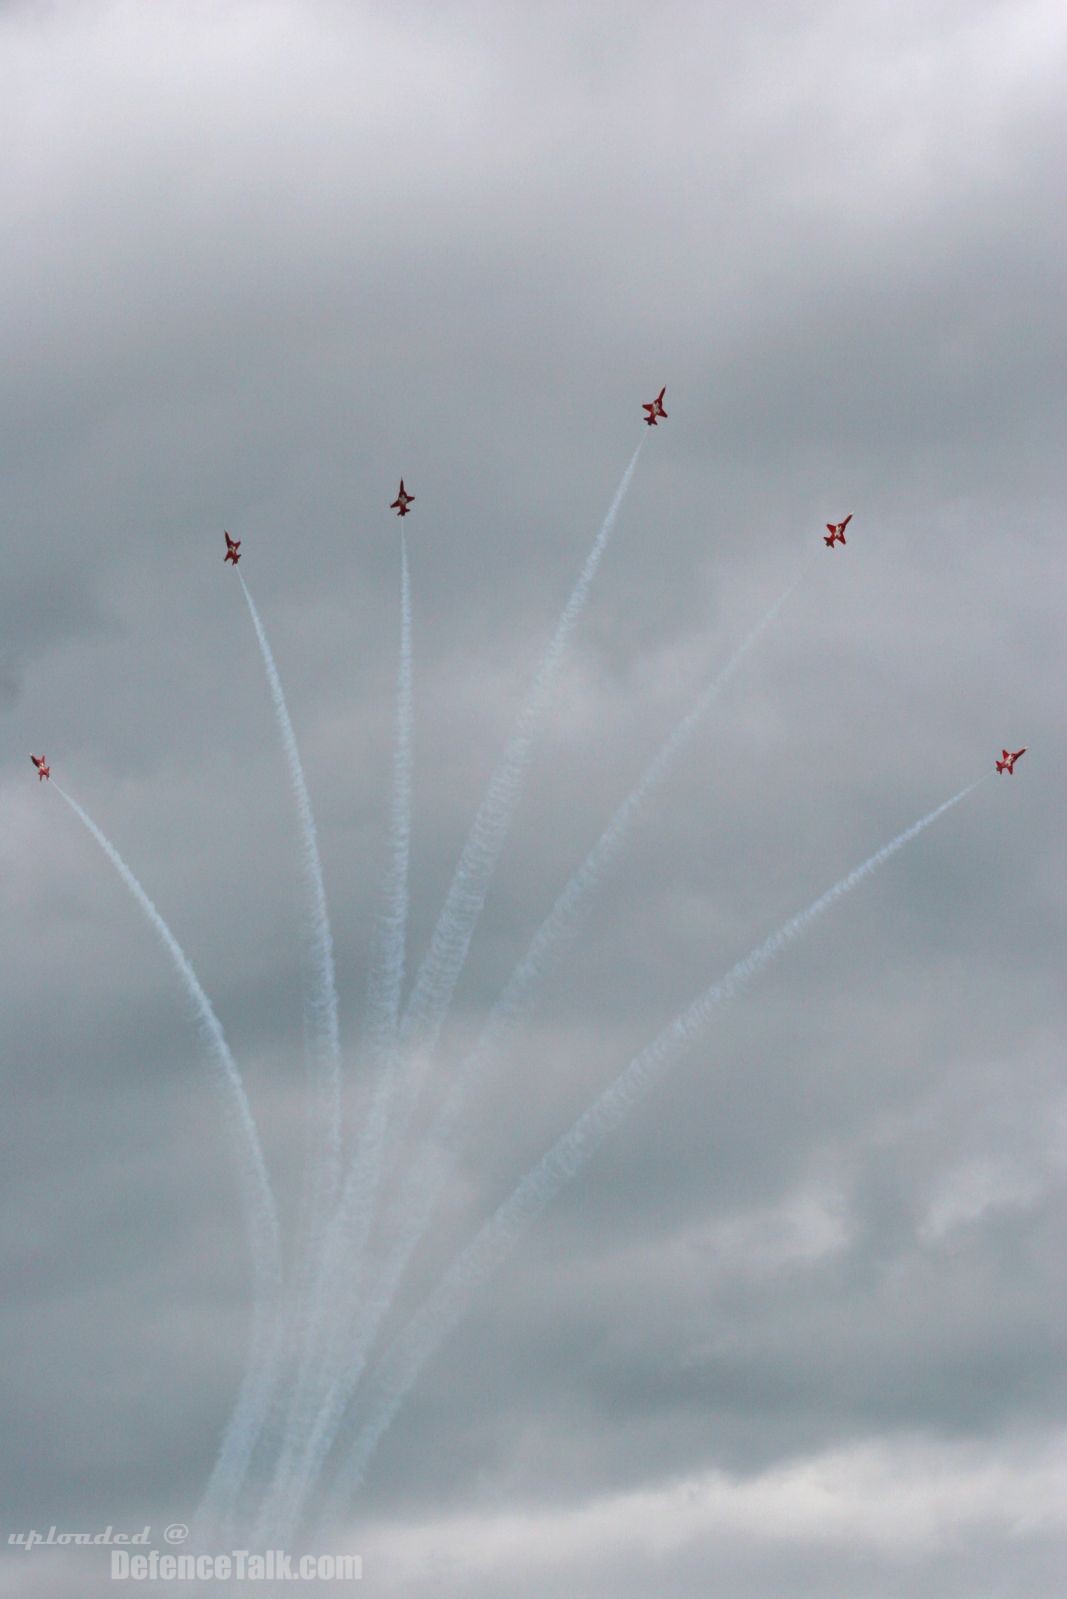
(1008, 763)
(655, 408)
(42, 770)
(402, 501)
(232, 548)
(835, 532)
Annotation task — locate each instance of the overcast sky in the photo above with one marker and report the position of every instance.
(799, 1329)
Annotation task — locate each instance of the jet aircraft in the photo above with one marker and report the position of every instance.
(1008, 763)
(835, 531)
(42, 770)
(402, 501)
(655, 408)
(232, 548)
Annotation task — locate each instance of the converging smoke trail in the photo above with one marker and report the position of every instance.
(257, 1198)
(491, 1245)
(560, 925)
(339, 1270)
(549, 943)
(322, 1035)
(321, 995)
(386, 976)
(439, 973)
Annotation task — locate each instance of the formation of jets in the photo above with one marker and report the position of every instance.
(835, 534)
(655, 409)
(402, 501)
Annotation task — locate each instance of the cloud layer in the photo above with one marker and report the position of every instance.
(798, 1326)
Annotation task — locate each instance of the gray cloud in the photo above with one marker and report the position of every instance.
(265, 260)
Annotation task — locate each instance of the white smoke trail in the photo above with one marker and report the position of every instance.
(386, 976)
(385, 979)
(320, 1001)
(552, 938)
(339, 1272)
(439, 972)
(558, 929)
(322, 1040)
(543, 1183)
(437, 977)
(257, 1198)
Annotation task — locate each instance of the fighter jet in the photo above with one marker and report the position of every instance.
(835, 531)
(1008, 763)
(402, 501)
(232, 548)
(46, 771)
(655, 408)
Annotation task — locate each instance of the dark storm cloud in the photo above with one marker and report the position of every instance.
(263, 261)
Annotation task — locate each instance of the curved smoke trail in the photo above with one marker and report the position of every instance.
(320, 1000)
(559, 927)
(549, 943)
(439, 972)
(257, 1198)
(322, 1039)
(320, 995)
(385, 978)
(340, 1267)
(491, 1245)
